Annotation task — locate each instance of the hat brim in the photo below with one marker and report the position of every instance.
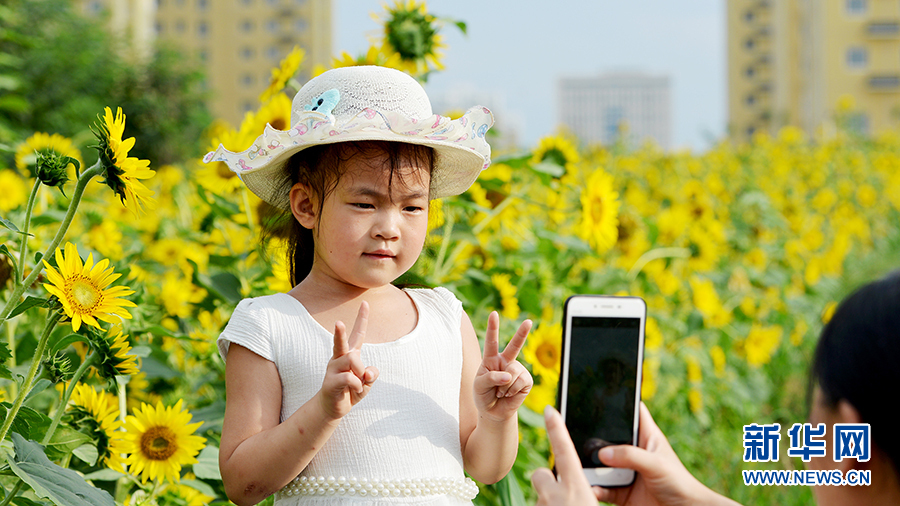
(461, 151)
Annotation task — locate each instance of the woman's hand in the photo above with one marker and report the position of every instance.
(661, 477)
(347, 379)
(501, 382)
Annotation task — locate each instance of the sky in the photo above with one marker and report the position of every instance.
(515, 52)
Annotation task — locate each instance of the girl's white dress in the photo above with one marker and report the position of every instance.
(400, 444)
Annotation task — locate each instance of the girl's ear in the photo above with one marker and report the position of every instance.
(303, 205)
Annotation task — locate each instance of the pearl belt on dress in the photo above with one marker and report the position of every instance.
(464, 488)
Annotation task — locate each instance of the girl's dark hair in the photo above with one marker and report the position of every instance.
(321, 168)
(857, 359)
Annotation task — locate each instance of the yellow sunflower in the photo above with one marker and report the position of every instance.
(114, 350)
(543, 351)
(160, 440)
(375, 55)
(600, 212)
(41, 141)
(556, 149)
(103, 422)
(84, 289)
(123, 173)
(15, 192)
(282, 73)
(411, 33)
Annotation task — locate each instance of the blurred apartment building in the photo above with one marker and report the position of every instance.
(790, 62)
(238, 42)
(634, 107)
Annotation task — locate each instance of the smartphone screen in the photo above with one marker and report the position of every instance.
(602, 378)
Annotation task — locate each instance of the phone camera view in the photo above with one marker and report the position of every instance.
(601, 384)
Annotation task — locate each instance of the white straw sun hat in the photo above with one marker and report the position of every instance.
(364, 103)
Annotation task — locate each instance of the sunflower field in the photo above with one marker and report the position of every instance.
(116, 278)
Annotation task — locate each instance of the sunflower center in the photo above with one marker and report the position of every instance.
(158, 443)
(223, 171)
(548, 355)
(84, 293)
(597, 210)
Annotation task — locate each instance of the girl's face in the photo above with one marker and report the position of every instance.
(372, 227)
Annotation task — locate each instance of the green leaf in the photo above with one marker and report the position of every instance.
(27, 304)
(67, 341)
(88, 454)
(5, 250)
(207, 466)
(200, 486)
(104, 475)
(140, 351)
(66, 439)
(39, 386)
(154, 368)
(10, 225)
(462, 27)
(62, 486)
(29, 422)
(510, 492)
(225, 284)
(530, 418)
(158, 330)
(553, 169)
(5, 355)
(212, 416)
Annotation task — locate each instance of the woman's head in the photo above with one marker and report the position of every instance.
(398, 172)
(856, 367)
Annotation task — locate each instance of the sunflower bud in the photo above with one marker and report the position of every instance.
(51, 168)
(112, 353)
(58, 368)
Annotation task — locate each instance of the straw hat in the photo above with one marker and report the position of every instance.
(364, 103)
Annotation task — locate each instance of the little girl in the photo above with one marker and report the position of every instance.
(396, 409)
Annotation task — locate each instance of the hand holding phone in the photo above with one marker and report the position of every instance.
(600, 379)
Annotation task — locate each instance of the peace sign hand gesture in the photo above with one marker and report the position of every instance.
(501, 382)
(347, 380)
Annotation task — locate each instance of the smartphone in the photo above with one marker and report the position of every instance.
(600, 378)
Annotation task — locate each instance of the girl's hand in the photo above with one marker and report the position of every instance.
(347, 380)
(501, 382)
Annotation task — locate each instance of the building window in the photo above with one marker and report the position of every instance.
(202, 4)
(94, 8)
(858, 123)
(750, 72)
(160, 28)
(247, 80)
(202, 29)
(750, 100)
(300, 25)
(857, 57)
(247, 52)
(247, 25)
(179, 26)
(272, 53)
(749, 43)
(749, 16)
(857, 6)
(750, 131)
(204, 55)
(272, 25)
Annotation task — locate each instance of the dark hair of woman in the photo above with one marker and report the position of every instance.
(857, 360)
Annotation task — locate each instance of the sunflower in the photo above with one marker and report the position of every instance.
(160, 440)
(282, 73)
(15, 192)
(43, 142)
(275, 112)
(600, 212)
(114, 352)
(542, 394)
(375, 55)
(412, 33)
(84, 289)
(123, 173)
(543, 351)
(556, 149)
(92, 410)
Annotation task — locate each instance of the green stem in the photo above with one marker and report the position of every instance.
(32, 371)
(445, 242)
(12, 493)
(67, 394)
(656, 254)
(80, 185)
(23, 250)
(246, 199)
